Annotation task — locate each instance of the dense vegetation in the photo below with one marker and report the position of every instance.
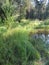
(18, 26)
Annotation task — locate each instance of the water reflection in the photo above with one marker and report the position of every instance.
(44, 37)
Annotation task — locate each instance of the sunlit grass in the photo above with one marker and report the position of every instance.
(33, 26)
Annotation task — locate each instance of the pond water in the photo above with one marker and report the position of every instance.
(44, 37)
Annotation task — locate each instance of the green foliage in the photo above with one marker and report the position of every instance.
(15, 48)
(8, 8)
(43, 25)
(46, 22)
(47, 63)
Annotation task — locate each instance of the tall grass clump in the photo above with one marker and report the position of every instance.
(15, 48)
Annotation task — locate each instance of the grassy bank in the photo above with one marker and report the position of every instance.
(17, 47)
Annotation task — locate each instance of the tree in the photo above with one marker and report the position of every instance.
(47, 11)
(40, 9)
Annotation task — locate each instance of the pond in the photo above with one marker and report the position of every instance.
(44, 37)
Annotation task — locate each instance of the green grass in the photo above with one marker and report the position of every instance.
(18, 46)
(15, 47)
